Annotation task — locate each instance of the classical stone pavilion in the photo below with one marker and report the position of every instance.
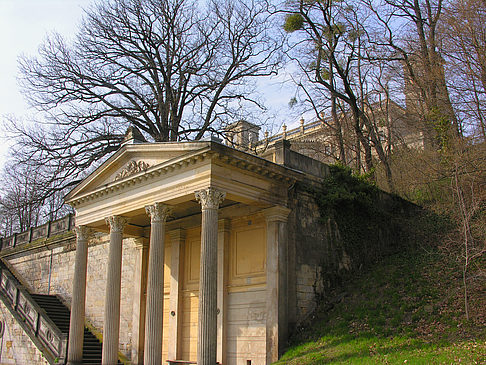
(179, 252)
(211, 225)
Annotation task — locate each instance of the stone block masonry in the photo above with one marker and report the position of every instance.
(321, 254)
(15, 346)
(51, 272)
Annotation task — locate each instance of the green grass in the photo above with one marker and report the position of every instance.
(408, 309)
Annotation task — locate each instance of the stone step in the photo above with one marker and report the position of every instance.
(60, 315)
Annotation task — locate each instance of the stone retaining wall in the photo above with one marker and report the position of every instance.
(58, 263)
(320, 257)
(15, 346)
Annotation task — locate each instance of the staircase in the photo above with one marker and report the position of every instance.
(60, 314)
(45, 319)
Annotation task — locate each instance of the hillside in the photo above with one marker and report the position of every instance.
(408, 309)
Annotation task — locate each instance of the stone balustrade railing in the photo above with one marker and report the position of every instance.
(286, 134)
(46, 230)
(35, 320)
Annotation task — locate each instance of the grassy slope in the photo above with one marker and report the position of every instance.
(408, 309)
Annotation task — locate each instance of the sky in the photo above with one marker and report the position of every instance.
(24, 24)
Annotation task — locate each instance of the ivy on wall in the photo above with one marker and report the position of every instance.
(362, 223)
(344, 190)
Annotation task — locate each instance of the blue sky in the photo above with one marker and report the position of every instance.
(25, 23)
(23, 26)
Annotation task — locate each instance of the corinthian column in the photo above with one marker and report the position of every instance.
(76, 326)
(210, 199)
(111, 325)
(155, 286)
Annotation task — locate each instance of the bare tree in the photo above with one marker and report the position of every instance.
(6, 220)
(22, 201)
(408, 31)
(468, 187)
(175, 69)
(330, 55)
(464, 46)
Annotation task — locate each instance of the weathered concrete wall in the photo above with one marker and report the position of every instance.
(58, 263)
(15, 346)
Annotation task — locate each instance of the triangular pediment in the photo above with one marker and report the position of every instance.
(133, 159)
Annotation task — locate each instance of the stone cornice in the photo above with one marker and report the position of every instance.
(130, 149)
(257, 165)
(214, 151)
(149, 174)
(141, 242)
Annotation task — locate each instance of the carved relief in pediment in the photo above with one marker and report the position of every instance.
(132, 168)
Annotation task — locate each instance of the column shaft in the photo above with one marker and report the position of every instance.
(155, 285)
(207, 338)
(208, 326)
(76, 325)
(276, 317)
(223, 254)
(111, 326)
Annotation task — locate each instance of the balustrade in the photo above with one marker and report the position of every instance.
(36, 321)
(45, 230)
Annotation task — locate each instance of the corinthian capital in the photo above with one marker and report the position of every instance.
(210, 198)
(158, 212)
(83, 233)
(116, 223)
